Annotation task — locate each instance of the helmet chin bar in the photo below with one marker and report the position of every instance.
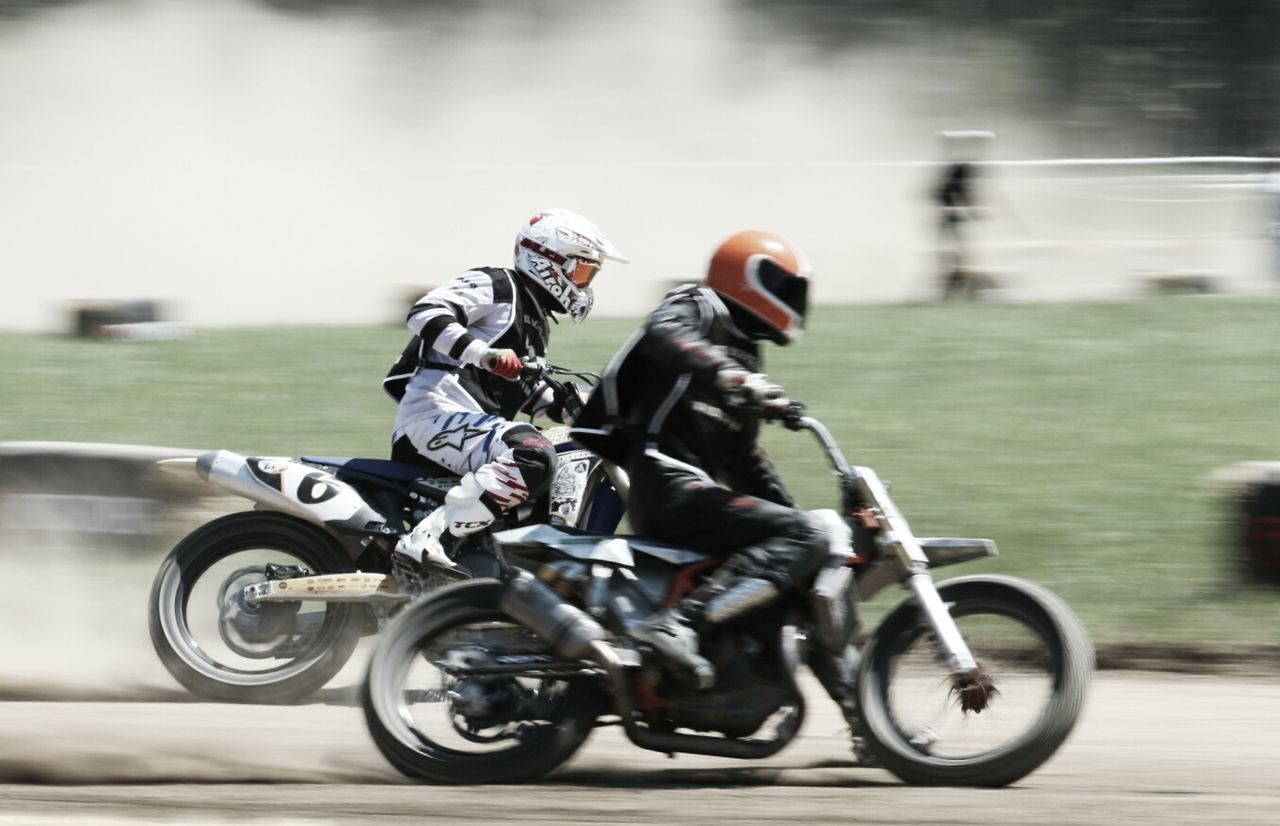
(582, 304)
(756, 326)
(576, 302)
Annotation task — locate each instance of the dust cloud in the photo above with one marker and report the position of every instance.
(250, 166)
(75, 627)
(74, 620)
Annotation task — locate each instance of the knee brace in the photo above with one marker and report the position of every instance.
(521, 472)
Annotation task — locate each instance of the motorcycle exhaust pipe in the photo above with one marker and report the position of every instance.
(292, 487)
(569, 629)
(576, 636)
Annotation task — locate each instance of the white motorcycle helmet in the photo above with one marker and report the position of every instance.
(561, 252)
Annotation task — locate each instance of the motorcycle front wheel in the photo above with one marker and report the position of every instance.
(221, 648)
(436, 719)
(1033, 652)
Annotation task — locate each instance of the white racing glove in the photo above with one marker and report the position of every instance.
(751, 390)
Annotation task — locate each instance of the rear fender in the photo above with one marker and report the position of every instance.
(292, 487)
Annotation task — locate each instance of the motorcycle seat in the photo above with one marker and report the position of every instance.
(380, 468)
(670, 554)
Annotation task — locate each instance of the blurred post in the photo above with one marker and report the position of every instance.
(1271, 188)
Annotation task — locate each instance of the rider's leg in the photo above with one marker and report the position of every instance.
(503, 463)
(466, 510)
(783, 545)
(756, 576)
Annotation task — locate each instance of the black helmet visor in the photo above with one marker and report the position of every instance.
(791, 290)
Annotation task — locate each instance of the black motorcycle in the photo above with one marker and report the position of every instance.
(976, 681)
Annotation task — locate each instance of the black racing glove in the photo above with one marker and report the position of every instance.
(566, 402)
(752, 391)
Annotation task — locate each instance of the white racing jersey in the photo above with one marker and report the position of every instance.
(453, 325)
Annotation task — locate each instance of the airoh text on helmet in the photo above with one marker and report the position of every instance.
(561, 252)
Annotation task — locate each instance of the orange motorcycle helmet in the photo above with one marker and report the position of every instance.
(766, 275)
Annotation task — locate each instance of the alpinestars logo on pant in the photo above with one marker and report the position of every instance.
(455, 437)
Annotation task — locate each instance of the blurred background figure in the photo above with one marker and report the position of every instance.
(957, 204)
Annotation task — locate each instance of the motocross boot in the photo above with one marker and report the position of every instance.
(464, 512)
(670, 633)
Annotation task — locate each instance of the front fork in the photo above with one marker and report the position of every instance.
(951, 649)
(968, 680)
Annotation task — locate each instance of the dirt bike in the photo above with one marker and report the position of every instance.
(975, 681)
(267, 605)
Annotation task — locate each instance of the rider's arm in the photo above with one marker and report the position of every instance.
(753, 473)
(442, 317)
(675, 335)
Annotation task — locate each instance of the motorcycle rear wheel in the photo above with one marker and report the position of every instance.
(213, 668)
(1026, 639)
(436, 727)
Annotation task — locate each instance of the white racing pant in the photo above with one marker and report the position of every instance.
(474, 443)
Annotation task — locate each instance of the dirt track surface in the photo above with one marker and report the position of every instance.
(1152, 748)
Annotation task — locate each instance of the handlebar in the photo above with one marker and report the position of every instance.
(539, 368)
(787, 411)
(542, 375)
(793, 417)
(790, 413)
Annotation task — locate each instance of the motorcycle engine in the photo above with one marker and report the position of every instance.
(751, 684)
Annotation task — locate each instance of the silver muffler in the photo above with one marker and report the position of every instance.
(569, 629)
(286, 485)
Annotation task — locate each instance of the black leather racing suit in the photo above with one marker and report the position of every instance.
(699, 478)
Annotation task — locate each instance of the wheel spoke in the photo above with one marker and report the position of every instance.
(439, 711)
(961, 720)
(219, 643)
(451, 709)
(244, 639)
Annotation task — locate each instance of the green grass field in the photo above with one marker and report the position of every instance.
(1078, 436)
